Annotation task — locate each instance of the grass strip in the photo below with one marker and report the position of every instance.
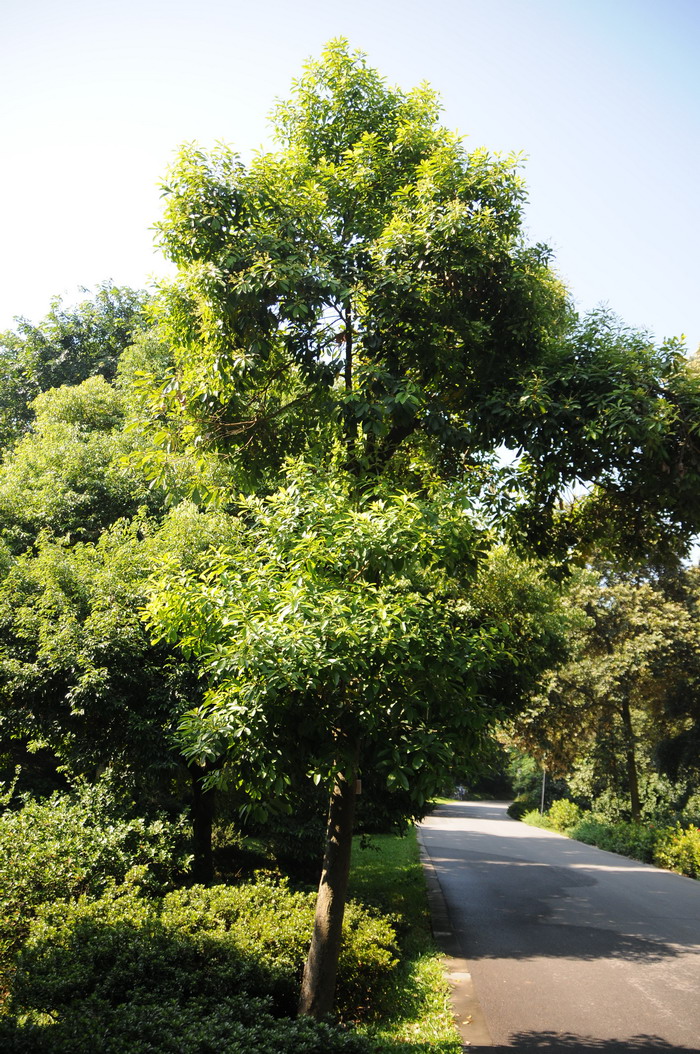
(416, 1015)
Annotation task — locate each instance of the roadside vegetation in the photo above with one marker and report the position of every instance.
(106, 946)
(387, 874)
(672, 846)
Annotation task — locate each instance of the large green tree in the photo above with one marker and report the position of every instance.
(364, 300)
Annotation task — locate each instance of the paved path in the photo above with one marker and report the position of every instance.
(569, 948)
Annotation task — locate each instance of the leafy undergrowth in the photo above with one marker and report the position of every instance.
(675, 847)
(414, 1014)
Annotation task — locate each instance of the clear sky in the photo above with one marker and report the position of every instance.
(602, 96)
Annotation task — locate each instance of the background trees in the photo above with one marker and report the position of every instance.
(67, 347)
(621, 713)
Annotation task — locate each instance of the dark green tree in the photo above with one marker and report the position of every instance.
(627, 697)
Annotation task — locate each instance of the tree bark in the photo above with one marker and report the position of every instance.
(202, 821)
(630, 757)
(318, 983)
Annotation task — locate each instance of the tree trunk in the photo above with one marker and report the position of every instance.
(632, 777)
(202, 820)
(318, 982)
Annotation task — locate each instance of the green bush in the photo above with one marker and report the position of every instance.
(69, 845)
(636, 840)
(99, 967)
(563, 814)
(537, 819)
(202, 1025)
(678, 849)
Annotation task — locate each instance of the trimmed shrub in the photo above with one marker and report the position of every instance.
(227, 1025)
(636, 840)
(98, 968)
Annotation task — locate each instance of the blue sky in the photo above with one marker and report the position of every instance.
(603, 98)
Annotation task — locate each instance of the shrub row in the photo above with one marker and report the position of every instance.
(99, 975)
(100, 952)
(674, 847)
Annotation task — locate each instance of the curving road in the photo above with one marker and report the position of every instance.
(556, 946)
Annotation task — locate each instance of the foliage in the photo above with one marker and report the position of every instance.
(636, 840)
(563, 814)
(363, 281)
(678, 849)
(626, 701)
(231, 1024)
(675, 847)
(75, 844)
(78, 671)
(105, 964)
(68, 476)
(533, 817)
(67, 347)
(370, 282)
(329, 616)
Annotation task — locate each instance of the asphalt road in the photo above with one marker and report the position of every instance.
(557, 946)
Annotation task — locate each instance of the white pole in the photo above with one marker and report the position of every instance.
(544, 780)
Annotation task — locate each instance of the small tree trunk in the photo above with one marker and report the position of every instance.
(202, 821)
(318, 982)
(632, 777)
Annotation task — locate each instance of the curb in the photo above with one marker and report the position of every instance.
(468, 1015)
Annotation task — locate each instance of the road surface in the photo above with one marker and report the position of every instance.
(557, 946)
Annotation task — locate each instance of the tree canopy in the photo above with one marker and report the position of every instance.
(359, 330)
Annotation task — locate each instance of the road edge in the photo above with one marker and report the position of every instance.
(466, 1009)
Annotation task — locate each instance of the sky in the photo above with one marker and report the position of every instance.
(602, 98)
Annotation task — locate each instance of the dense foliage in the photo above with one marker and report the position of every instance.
(619, 719)
(123, 972)
(69, 346)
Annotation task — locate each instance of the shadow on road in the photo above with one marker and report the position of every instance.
(567, 1043)
(561, 1043)
(541, 907)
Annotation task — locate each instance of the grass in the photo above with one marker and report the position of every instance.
(417, 1015)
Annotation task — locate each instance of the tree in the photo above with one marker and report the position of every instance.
(363, 300)
(628, 690)
(340, 637)
(69, 476)
(66, 347)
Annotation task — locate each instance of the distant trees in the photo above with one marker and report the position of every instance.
(625, 708)
(69, 345)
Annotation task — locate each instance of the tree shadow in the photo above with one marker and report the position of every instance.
(554, 1043)
(568, 1043)
(541, 907)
